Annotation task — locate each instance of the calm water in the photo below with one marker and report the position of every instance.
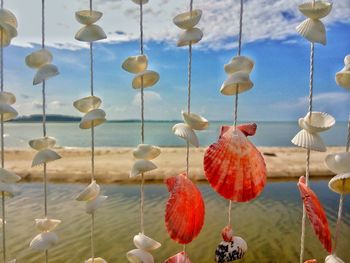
(270, 224)
(158, 133)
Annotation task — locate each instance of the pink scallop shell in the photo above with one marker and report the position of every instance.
(180, 257)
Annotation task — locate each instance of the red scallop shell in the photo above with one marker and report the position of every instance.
(179, 258)
(184, 214)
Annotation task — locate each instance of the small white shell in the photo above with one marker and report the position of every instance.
(11, 261)
(238, 81)
(347, 60)
(340, 183)
(10, 190)
(45, 156)
(188, 20)
(142, 166)
(44, 241)
(193, 36)
(311, 141)
(342, 78)
(90, 33)
(7, 112)
(46, 225)
(8, 177)
(42, 143)
(185, 132)
(146, 152)
(39, 58)
(144, 242)
(89, 193)
(88, 17)
(195, 121)
(239, 63)
(7, 97)
(8, 32)
(7, 17)
(338, 162)
(316, 11)
(87, 104)
(229, 251)
(93, 205)
(138, 2)
(139, 256)
(135, 64)
(333, 259)
(96, 260)
(320, 121)
(92, 119)
(46, 72)
(313, 30)
(145, 79)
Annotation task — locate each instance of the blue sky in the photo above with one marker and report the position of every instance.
(280, 74)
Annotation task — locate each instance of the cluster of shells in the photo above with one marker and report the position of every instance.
(8, 26)
(89, 32)
(144, 246)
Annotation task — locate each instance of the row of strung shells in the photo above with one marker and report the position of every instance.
(93, 115)
(343, 76)
(90, 32)
(8, 26)
(46, 239)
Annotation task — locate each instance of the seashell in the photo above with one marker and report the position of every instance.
(88, 17)
(145, 79)
(9, 190)
(234, 167)
(188, 20)
(7, 112)
(239, 63)
(46, 225)
(96, 260)
(317, 10)
(146, 152)
(135, 64)
(185, 132)
(42, 143)
(89, 193)
(94, 204)
(313, 30)
(92, 119)
(142, 166)
(87, 104)
(340, 183)
(44, 241)
(45, 156)
(310, 141)
(311, 261)
(195, 121)
(227, 234)
(39, 58)
(190, 36)
(8, 177)
(7, 17)
(144, 242)
(138, 2)
(347, 60)
(230, 251)
(90, 33)
(12, 261)
(8, 32)
(338, 162)
(180, 257)
(238, 82)
(342, 78)
(46, 72)
(184, 214)
(7, 97)
(248, 129)
(320, 121)
(139, 256)
(333, 259)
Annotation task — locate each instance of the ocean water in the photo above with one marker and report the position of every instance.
(127, 134)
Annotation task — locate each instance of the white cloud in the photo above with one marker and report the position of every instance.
(149, 97)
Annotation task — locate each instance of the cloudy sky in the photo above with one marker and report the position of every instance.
(280, 75)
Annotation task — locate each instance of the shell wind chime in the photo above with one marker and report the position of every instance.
(233, 166)
(41, 60)
(8, 30)
(144, 153)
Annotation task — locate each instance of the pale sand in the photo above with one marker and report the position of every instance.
(113, 164)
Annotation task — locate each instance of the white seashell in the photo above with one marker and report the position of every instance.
(7, 112)
(146, 152)
(96, 260)
(333, 259)
(39, 58)
(342, 78)
(135, 64)
(239, 63)
(42, 143)
(145, 79)
(92, 119)
(185, 132)
(237, 82)
(44, 241)
(193, 36)
(89, 193)
(188, 20)
(45, 156)
(313, 30)
(144, 242)
(142, 166)
(230, 251)
(90, 33)
(93, 205)
(317, 10)
(7, 97)
(139, 256)
(87, 104)
(7, 17)
(46, 225)
(320, 121)
(88, 17)
(10, 190)
(311, 141)
(340, 183)
(347, 60)
(8, 32)
(46, 72)
(140, 1)
(195, 121)
(11, 261)
(338, 162)
(8, 177)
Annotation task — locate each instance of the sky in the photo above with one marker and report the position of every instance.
(280, 76)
